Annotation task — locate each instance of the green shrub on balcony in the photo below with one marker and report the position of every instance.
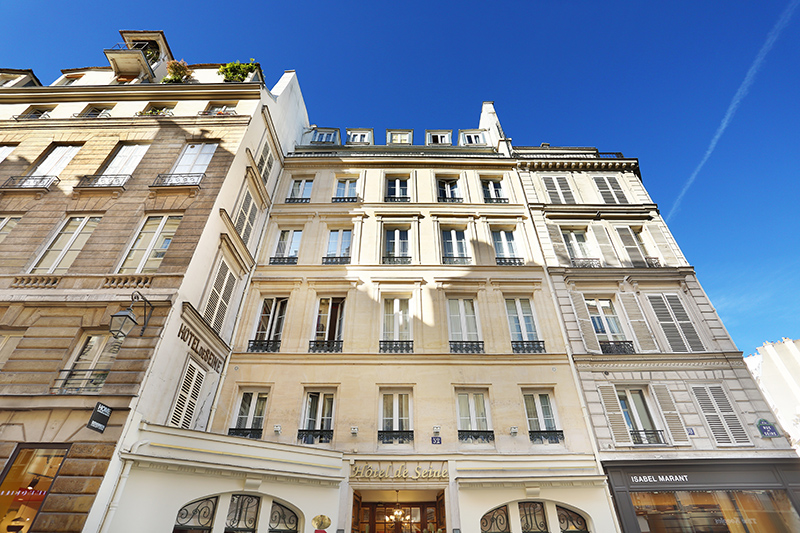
(178, 72)
(237, 71)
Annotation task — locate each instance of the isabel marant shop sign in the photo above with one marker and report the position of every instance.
(362, 470)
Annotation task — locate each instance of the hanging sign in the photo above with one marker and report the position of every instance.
(99, 418)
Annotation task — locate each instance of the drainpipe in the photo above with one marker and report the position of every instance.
(120, 487)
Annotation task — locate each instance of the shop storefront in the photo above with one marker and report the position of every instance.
(742, 496)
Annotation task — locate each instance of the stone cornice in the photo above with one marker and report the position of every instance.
(145, 91)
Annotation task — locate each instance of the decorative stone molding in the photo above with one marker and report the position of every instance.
(132, 281)
(35, 282)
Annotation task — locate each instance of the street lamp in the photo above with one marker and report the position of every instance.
(123, 322)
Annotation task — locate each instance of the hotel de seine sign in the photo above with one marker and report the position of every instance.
(405, 471)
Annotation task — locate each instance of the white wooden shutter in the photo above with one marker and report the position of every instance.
(126, 159)
(557, 188)
(558, 244)
(637, 322)
(188, 394)
(725, 426)
(613, 410)
(617, 190)
(610, 190)
(605, 192)
(220, 296)
(585, 322)
(246, 217)
(667, 323)
(671, 416)
(631, 246)
(670, 259)
(685, 323)
(606, 249)
(56, 161)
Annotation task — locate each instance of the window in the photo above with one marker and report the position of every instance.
(324, 136)
(196, 516)
(493, 191)
(576, 243)
(250, 417)
(90, 366)
(288, 248)
(720, 417)
(631, 419)
(188, 396)
(504, 245)
(6, 225)
(66, 245)
(524, 338)
(463, 325)
(359, 136)
(397, 189)
(675, 323)
(395, 418)
(219, 297)
(398, 137)
(330, 326)
(94, 111)
(610, 190)
(346, 191)
(637, 416)
(246, 217)
(471, 138)
(157, 110)
(397, 251)
(338, 247)
(265, 162)
(5, 150)
(70, 79)
(558, 190)
(35, 113)
(270, 326)
(439, 137)
(473, 418)
(300, 192)
(55, 161)
(542, 426)
(221, 109)
(28, 477)
(634, 247)
(455, 247)
(150, 245)
(607, 326)
(448, 190)
(396, 336)
(242, 514)
(318, 418)
(194, 159)
(125, 161)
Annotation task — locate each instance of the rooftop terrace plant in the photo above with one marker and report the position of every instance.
(237, 71)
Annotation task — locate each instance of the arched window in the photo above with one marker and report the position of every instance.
(571, 521)
(532, 517)
(282, 519)
(196, 516)
(496, 521)
(242, 514)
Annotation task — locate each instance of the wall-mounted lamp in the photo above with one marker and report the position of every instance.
(514, 430)
(277, 429)
(123, 322)
(436, 430)
(354, 430)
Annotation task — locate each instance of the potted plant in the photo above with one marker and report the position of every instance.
(178, 72)
(237, 71)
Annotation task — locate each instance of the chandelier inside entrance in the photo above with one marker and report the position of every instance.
(397, 515)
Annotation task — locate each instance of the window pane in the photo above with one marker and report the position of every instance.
(388, 412)
(35, 468)
(260, 408)
(464, 421)
(481, 422)
(403, 421)
(530, 411)
(547, 412)
(244, 410)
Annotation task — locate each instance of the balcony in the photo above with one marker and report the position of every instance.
(293, 200)
(336, 260)
(179, 180)
(475, 436)
(280, 260)
(325, 346)
(314, 436)
(647, 436)
(396, 260)
(133, 58)
(344, 199)
(39, 183)
(527, 346)
(454, 260)
(510, 261)
(33, 115)
(93, 113)
(396, 198)
(395, 437)
(541, 437)
(466, 346)
(79, 381)
(489, 200)
(99, 181)
(210, 113)
(585, 262)
(617, 347)
(450, 200)
(250, 433)
(652, 262)
(263, 346)
(397, 346)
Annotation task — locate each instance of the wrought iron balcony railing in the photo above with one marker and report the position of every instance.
(540, 437)
(397, 346)
(210, 113)
(93, 114)
(103, 180)
(178, 180)
(490, 200)
(33, 115)
(280, 260)
(313, 436)
(527, 346)
(250, 433)
(344, 199)
(475, 435)
(653, 262)
(29, 182)
(155, 113)
(450, 200)
(454, 260)
(395, 437)
(325, 346)
(585, 262)
(617, 347)
(292, 200)
(336, 260)
(263, 346)
(80, 381)
(466, 346)
(150, 53)
(510, 261)
(396, 198)
(396, 260)
(647, 436)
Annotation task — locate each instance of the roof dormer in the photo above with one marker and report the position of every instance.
(140, 54)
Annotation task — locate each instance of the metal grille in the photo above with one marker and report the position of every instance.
(283, 260)
(29, 182)
(397, 199)
(475, 435)
(324, 346)
(570, 521)
(510, 261)
(617, 347)
(312, 436)
(396, 260)
(453, 260)
(336, 260)
(466, 346)
(198, 515)
(103, 180)
(527, 346)
(250, 433)
(551, 436)
(451, 200)
(586, 262)
(178, 180)
(282, 519)
(496, 521)
(263, 346)
(397, 346)
(532, 517)
(647, 436)
(390, 437)
(344, 199)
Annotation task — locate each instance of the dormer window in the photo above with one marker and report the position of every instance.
(359, 136)
(439, 138)
(399, 136)
(7, 80)
(70, 79)
(326, 136)
(472, 138)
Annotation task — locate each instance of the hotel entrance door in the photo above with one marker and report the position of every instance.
(415, 517)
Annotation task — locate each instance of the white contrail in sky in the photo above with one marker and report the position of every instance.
(783, 21)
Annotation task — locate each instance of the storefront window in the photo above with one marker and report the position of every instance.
(764, 511)
(27, 481)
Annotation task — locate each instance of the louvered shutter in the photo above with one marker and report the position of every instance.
(631, 246)
(685, 323)
(606, 249)
(565, 190)
(188, 395)
(558, 244)
(670, 259)
(585, 322)
(219, 298)
(671, 416)
(251, 220)
(725, 426)
(605, 191)
(617, 190)
(613, 410)
(732, 422)
(610, 190)
(246, 217)
(552, 191)
(667, 323)
(638, 323)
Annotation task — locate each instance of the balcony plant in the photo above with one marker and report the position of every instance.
(178, 72)
(237, 71)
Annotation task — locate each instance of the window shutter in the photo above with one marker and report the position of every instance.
(241, 218)
(188, 395)
(605, 192)
(585, 322)
(638, 323)
(220, 297)
(725, 426)
(685, 323)
(251, 220)
(610, 190)
(631, 246)
(616, 421)
(663, 246)
(566, 192)
(671, 416)
(617, 190)
(606, 249)
(559, 247)
(667, 323)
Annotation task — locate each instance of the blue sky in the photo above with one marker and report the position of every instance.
(651, 80)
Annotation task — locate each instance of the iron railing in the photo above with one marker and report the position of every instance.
(475, 435)
(79, 381)
(210, 113)
(527, 346)
(652, 262)
(313, 436)
(396, 198)
(293, 200)
(344, 199)
(540, 437)
(103, 180)
(336, 260)
(178, 180)
(155, 113)
(392, 437)
(585, 262)
(33, 115)
(397, 346)
(450, 200)
(92, 114)
(490, 200)
(250, 433)
(456, 260)
(647, 436)
(510, 261)
(29, 182)
(466, 346)
(280, 260)
(263, 346)
(396, 260)
(325, 346)
(617, 347)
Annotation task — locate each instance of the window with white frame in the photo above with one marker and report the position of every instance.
(396, 320)
(454, 243)
(69, 79)
(395, 418)
(250, 416)
(641, 425)
(330, 320)
(220, 109)
(542, 424)
(219, 296)
(191, 385)
(577, 245)
(317, 425)
(339, 241)
(610, 190)
(270, 323)
(439, 137)
(246, 216)
(90, 366)
(399, 137)
(54, 162)
(35, 113)
(396, 247)
(462, 320)
(521, 321)
(66, 245)
(94, 111)
(5, 150)
(359, 137)
(675, 322)
(558, 190)
(300, 191)
(473, 417)
(397, 189)
(346, 190)
(504, 244)
(126, 159)
(472, 138)
(151, 244)
(605, 321)
(288, 247)
(6, 225)
(493, 191)
(194, 159)
(324, 136)
(448, 190)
